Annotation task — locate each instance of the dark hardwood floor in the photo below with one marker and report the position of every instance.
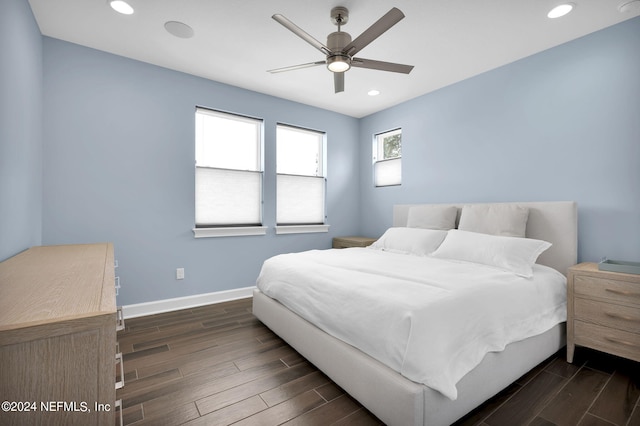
(218, 365)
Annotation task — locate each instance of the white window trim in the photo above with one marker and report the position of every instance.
(301, 229)
(231, 231)
(379, 148)
(239, 230)
(378, 152)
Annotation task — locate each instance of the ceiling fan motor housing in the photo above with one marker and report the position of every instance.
(338, 61)
(337, 41)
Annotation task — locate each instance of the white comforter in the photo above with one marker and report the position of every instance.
(431, 320)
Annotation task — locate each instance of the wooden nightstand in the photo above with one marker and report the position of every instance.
(346, 242)
(603, 311)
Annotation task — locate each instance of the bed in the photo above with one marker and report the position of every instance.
(373, 379)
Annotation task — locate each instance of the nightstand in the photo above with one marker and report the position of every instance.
(603, 311)
(346, 242)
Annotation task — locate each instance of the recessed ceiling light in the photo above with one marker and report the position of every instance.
(179, 29)
(373, 92)
(121, 6)
(630, 6)
(560, 10)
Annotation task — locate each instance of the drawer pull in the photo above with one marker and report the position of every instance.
(622, 342)
(622, 293)
(622, 317)
(119, 319)
(118, 406)
(120, 384)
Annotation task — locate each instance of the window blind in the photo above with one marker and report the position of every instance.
(388, 172)
(300, 199)
(228, 197)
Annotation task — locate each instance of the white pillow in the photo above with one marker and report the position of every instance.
(510, 254)
(508, 220)
(432, 217)
(416, 241)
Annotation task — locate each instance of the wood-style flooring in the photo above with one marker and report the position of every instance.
(218, 365)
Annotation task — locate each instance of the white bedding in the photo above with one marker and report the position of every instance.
(432, 320)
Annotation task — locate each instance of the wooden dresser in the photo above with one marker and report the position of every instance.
(58, 336)
(603, 311)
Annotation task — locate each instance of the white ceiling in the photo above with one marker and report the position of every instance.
(236, 41)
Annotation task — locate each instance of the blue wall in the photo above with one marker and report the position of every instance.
(20, 129)
(563, 124)
(120, 167)
(117, 138)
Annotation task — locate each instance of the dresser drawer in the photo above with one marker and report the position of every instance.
(617, 342)
(620, 291)
(608, 314)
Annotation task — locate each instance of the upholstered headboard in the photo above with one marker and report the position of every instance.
(553, 221)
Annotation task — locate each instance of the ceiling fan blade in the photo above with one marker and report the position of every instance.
(297, 67)
(301, 33)
(338, 81)
(380, 65)
(391, 18)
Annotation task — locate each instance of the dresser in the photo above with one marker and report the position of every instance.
(58, 336)
(603, 311)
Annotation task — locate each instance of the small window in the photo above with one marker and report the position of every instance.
(228, 187)
(387, 158)
(300, 181)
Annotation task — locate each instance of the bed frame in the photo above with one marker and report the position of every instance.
(398, 401)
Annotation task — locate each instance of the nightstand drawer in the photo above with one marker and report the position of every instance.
(621, 291)
(608, 314)
(609, 340)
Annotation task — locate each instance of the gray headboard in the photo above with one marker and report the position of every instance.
(553, 221)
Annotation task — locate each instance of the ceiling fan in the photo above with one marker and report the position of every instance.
(340, 49)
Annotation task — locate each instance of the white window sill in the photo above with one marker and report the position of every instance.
(301, 229)
(229, 232)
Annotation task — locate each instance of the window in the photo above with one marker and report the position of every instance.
(300, 191)
(387, 158)
(228, 174)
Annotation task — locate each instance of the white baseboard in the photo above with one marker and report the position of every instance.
(168, 305)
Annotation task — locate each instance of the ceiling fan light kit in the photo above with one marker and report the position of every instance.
(338, 63)
(340, 48)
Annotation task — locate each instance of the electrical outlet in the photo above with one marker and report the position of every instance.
(180, 274)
